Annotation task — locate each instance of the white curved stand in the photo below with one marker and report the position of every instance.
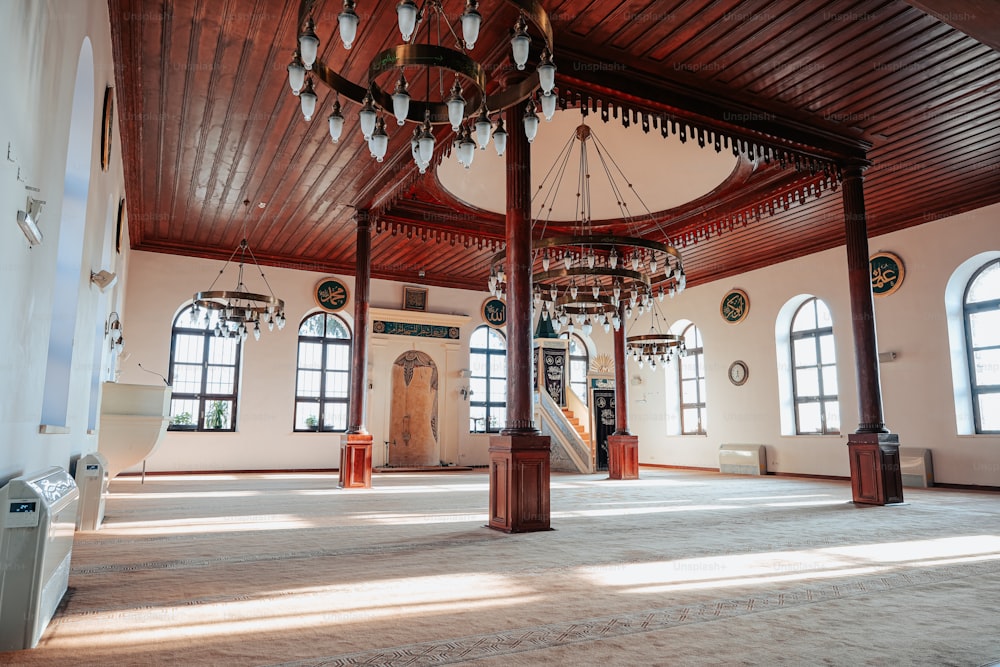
(134, 418)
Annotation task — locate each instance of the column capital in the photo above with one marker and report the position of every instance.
(854, 169)
(362, 216)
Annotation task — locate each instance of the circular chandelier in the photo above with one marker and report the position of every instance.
(437, 106)
(588, 279)
(240, 311)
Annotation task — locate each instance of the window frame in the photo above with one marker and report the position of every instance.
(203, 397)
(698, 353)
(821, 398)
(585, 357)
(970, 352)
(485, 402)
(321, 400)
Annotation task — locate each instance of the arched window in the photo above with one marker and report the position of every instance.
(204, 374)
(323, 374)
(579, 364)
(488, 382)
(982, 332)
(692, 379)
(814, 368)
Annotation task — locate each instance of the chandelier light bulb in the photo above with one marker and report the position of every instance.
(549, 105)
(613, 260)
(256, 331)
(596, 289)
(567, 259)
(653, 264)
(587, 327)
(456, 106)
(466, 148)
(607, 325)
(406, 15)
(617, 291)
(546, 72)
(530, 121)
(308, 44)
(380, 141)
(348, 21)
(296, 73)
(591, 259)
(520, 43)
(556, 325)
(401, 101)
(545, 261)
(307, 99)
(336, 121)
(471, 22)
(500, 138)
(573, 291)
(483, 127)
(635, 261)
(616, 322)
(367, 115)
(554, 292)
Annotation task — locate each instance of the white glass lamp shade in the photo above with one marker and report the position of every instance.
(308, 44)
(456, 107)
(547, 73)
(380, 141)
(400, 101)
(530, 122)
(367, 115)
(483, 127)
(426, 145)
(307, 98)
(520, 44)
(471, 22)
(336, 121)
(348, 21)
(500, 138)
(549, 106)
(406, 15)
(466, 149)
(616, 322)
(296, 74)
(587, 328)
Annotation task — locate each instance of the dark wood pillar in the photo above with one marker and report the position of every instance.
(876, 478)
(623, 447)
(519, 456)
(356, 444)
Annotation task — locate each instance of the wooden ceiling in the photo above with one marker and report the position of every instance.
(207, 121)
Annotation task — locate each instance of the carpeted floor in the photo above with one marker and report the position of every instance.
(677, 568)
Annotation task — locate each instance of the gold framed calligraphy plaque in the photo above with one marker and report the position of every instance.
(735, 306)
(415, 298)
(332, 295)
(887, 273)
(494, 312)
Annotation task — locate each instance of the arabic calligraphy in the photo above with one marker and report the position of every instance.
(331, 295)
(882, 276)
(735, 306)
(495, 313)
(886, 273)
(419, 330)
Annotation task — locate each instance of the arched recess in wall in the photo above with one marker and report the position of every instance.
(104, 360)
(69, 279)
(783, 349)
(671, 383)
(954, 300)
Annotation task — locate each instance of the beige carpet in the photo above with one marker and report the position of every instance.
(677, 568)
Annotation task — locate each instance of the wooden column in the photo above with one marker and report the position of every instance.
(876, 478)
(356, 444)
(519, 456)
(623, 447)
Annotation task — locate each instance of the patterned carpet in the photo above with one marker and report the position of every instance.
(677, 568)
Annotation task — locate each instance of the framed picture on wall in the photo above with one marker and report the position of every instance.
(415, 298)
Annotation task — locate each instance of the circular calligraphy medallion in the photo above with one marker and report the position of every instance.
(332, 295)
(887, 273)
(494, 312)
(735, 306)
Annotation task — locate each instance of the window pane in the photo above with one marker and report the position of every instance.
(827, 351)
(338, 357)
(222, 350)
(335, 328)
(690, 416)
(689, 368)
(218, 415)
(312, 326)
(498, 391)
(704, 419)
(188, 348)
(187, 379)
(477, 419)
(220, 380)
(701, 390)
(336, 384)
(985, 328)
(478, 338)
(830, 381)
(987, 367)
(832, 416)
(577, 370)
(183, 412)
(477, 364)
(989, 412)
(307, 384)
(496, 340)
(306, 416)
(806, 382)
(689, 389)
(497, 418)
(335, 416)
(310, 355)
(808, 416)
(805, 319)
(823, 317)
(498, 366)
(986, 286)
(478, 387)
(805, 351)
(580, 389)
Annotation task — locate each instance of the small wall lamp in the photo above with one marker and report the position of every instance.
(113, 332)
(28, 221)
(103, 279)
(465, 392)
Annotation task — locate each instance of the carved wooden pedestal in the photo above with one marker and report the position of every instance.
(519, 483)
(623, 457)
(876, 478)
(356, 461)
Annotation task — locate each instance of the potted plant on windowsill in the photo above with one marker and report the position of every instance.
(217, 416)
(181, 422)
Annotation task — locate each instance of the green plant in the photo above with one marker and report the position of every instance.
(217, 415)
(182, 419)
(312, 421)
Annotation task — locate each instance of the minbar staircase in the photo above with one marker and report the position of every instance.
(577, 426)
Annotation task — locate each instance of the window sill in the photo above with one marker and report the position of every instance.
(51, 429)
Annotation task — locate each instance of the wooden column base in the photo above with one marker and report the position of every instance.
(623, 457)
(519, 483)
(876, 478)
(356, 461)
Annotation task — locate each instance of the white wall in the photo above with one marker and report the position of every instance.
(42, 42)
(916, 387)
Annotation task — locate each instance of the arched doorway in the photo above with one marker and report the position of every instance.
(413, 415)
